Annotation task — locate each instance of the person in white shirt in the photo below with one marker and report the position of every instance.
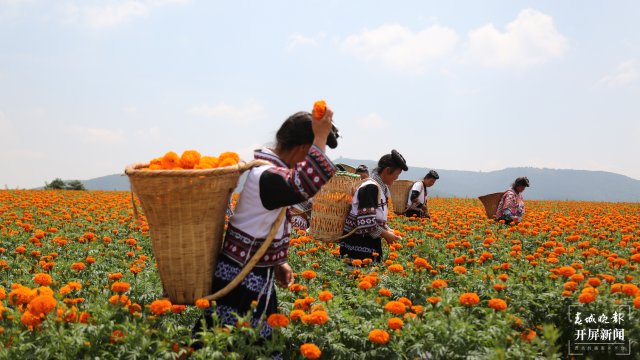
(417, 201)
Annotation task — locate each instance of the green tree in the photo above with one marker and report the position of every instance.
(56, 184)
(75, 185)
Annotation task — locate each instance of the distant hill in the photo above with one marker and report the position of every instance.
(546, 184)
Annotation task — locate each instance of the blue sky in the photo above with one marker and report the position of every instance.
(87, 87)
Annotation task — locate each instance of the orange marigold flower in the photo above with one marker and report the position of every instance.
(310, 351)
(433, 300)
(319, 109)
(115, 276)
(566, 271)
(395, 323)
(209, 162)
(459, 269)
(296, 315)
(42, 304)
(42, 279)
(438, 284)
(325, 296)
(202, 303)
(278, 320)
(364, 285)
(405, 301)
(228, 159)
(119, 300)
(78, 266)
(498, 304)
(630, 289)
(587, 297)
(421, 263)
(528, 335)
(116, 336)
(396, 268)
(308, 274)
(396, 307)
(159, 307)
(636, 302)
(316, 318)
(384, 292)
(499, 287)
(189, 159)
(120, 287)
(170, 161)
(178, 309)
(3, 293)
(379, 336)
(31, 320)
(595, 282)
(469, 299)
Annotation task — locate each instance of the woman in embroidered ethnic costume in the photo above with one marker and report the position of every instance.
(298, 169)
(511, 206)
(417, 201)
(369, 209)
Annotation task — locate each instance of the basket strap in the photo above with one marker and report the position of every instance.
(253, 261)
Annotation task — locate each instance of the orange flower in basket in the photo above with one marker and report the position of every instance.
(208, 162)
(189, 159)
(228, 159)
(319, 108)
(170, 161)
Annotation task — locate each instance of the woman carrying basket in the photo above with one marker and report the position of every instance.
(298, 169)
(366, 223)
(511, 206)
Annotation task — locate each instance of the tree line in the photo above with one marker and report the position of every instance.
(59, 184)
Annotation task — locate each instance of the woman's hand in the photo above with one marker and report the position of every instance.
(322, 129)
(284, 275)
(390, 237)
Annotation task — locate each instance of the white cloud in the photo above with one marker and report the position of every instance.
(371, 121)
(103, 14)
(298, 40)
(397, 47)
(98, 135)
(531, 39)
(626, 73)
(245, 114)
(13, 2)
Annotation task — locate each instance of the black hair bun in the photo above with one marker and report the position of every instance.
(332, 139)
(398, 160)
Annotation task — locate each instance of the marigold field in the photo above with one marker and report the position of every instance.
(78, 280)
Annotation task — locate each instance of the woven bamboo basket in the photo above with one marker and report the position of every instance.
(331, 206)
(348, 168)
(185, 210)
(490, 202)
(399, 195)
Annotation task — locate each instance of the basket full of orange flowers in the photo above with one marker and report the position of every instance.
(331, 206)
(184, 199)
(400, 194)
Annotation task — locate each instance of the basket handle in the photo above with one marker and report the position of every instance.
(253, 261)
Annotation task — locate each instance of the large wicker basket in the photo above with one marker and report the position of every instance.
(399, 195)
(331, 206)
(348, 168)
(185, 210)
(490, 202)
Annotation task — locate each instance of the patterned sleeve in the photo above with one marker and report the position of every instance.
(366, 218)
(281, 186)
